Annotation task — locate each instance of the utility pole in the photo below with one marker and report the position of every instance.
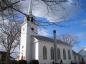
(54, 34)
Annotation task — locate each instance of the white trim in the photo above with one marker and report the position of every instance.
(37, 51)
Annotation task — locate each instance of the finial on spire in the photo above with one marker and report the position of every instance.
(30, 16)
(30, 8)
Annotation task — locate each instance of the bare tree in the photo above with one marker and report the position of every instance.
(68, 38)
(9, 9)
(9, 37)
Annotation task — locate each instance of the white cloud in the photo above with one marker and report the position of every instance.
(60, 11)
(43, 32)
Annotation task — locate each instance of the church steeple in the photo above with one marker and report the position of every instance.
(30, 16)
(28, 28)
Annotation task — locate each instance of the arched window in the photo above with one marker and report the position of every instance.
(58, 54)
(69, 54)
(52, 53)
(64, 54)
(74, 57)
(44, 52)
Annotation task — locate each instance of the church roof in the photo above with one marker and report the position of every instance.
(75, 53)
(83, 49)
(43, 38)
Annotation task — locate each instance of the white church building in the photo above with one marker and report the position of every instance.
(41, 48)
(82, 52)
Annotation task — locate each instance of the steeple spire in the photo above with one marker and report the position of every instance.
(28, 17)
(30, 7)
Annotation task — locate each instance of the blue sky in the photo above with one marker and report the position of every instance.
(74, 25)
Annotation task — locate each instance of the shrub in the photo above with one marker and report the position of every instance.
(14, 62)
(22, 62)
(34, 62)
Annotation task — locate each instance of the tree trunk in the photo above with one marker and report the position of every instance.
(8, 58)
